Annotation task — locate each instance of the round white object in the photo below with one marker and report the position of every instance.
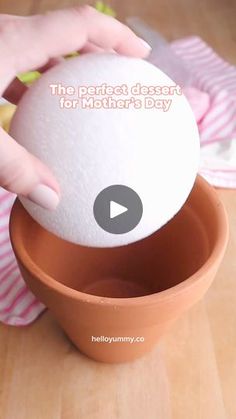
(152, 150)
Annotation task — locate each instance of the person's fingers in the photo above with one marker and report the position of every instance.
(85, 24)
(110, 34)
(25, 175)
(51, 63)
(16, 89)
(90, 47)
(29, 43)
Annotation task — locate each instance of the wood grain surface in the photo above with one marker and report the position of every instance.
(192, 372)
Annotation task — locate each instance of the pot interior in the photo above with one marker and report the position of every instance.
(162, 260)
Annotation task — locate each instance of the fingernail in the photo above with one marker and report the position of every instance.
(145, 44)
(44, 196)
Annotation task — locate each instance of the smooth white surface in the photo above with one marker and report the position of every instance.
(116, 209)
(155, 153)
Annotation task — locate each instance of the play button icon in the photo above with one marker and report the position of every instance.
(118, 209)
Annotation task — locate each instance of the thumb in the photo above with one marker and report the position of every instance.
(24, 174)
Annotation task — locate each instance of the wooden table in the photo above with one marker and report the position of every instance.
(192, 372)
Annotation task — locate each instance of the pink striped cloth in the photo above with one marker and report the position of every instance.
(217, 127)
(18, 306)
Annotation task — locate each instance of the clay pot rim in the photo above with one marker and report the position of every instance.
(160, 297)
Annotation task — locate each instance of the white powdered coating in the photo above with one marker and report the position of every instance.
(153, 152)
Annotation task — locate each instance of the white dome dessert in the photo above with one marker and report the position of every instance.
(148, 143)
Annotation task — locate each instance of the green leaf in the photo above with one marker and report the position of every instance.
(103, 8)
(29, 77)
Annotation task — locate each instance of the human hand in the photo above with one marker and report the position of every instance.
(39, 42)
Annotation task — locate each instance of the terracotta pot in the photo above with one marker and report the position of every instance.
(131, 291)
